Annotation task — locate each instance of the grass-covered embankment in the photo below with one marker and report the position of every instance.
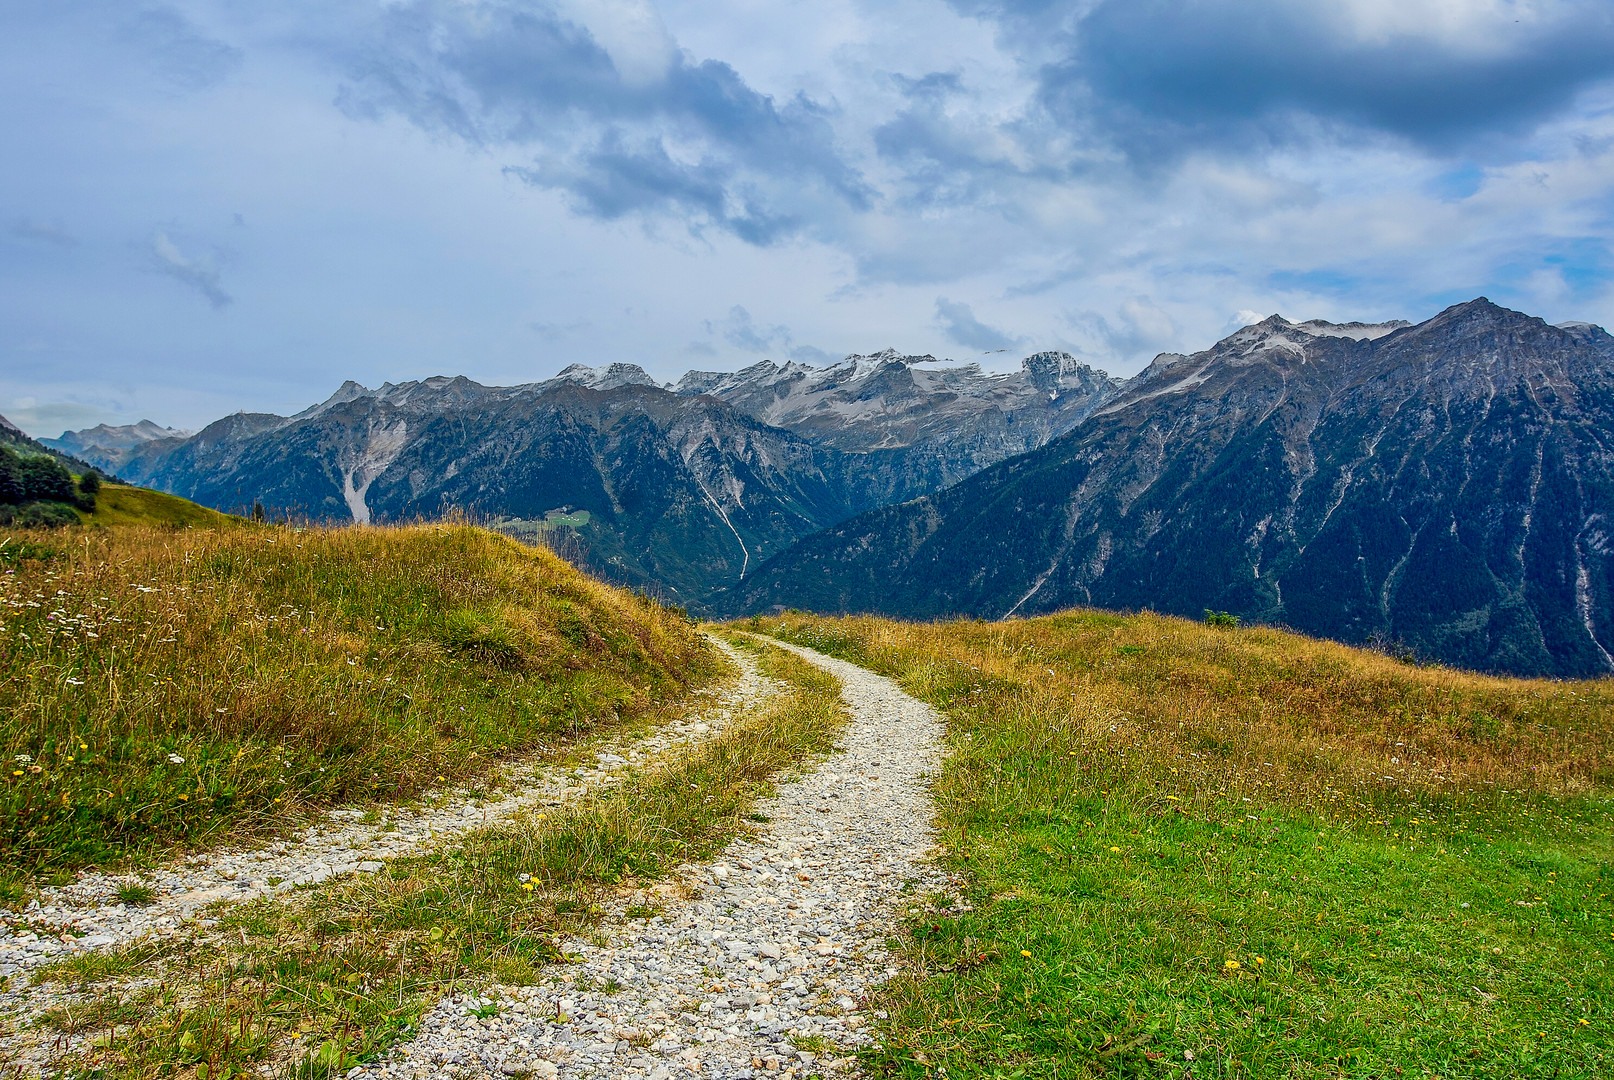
(163, 687)
(1211, 852)
(335, 975)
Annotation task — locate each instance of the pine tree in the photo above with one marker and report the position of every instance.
(12, 490)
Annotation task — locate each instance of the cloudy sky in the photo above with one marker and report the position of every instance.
(210, 206)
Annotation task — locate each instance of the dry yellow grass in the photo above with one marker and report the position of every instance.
(1310, 721)
(162, 685)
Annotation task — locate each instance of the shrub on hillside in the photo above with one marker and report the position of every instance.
(38, 515)
(47, 479)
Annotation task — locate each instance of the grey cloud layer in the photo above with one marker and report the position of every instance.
(1204, 67)
(961, 325)
(1113, 177)
(692, 139)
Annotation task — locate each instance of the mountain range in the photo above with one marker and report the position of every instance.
(684, 488)
(1445, 487)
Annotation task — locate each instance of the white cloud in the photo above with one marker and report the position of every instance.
(200, 275)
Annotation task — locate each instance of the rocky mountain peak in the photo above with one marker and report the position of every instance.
(1056, 372)
(108, 437)
(609, 377)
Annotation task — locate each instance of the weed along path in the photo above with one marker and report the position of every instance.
(88, 915)
(753, 965)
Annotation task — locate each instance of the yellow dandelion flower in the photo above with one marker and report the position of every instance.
(1115, 849)
(1259, 960)
(184, 798)
(1231, 966)
(439, 779)
(1025, 952)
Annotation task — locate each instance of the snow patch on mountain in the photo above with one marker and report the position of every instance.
(609, 377)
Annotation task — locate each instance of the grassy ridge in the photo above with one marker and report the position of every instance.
(336, 975)
(162, 687)
(122, 504)
(1244, 853)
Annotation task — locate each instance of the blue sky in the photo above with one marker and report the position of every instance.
(213, 206)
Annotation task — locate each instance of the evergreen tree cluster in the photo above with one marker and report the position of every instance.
(43, 486)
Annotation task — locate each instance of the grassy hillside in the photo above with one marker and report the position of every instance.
(1219, 852)
(119, 504)
(163, 687)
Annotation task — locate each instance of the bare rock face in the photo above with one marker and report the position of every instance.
(928, 423)
(1448, 486)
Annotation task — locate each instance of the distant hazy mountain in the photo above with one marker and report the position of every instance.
(1449, 486)
(925, 423)
(110, 444)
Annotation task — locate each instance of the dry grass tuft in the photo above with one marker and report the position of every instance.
(163, 686)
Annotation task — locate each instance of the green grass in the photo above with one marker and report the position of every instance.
(325, 978)
(135, 894)
(121, 504)
(165, 687)
(1199, 851)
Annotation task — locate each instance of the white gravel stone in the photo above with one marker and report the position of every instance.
(776, 942)
(85, 915)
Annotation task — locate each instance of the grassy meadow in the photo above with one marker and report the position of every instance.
(1217, 852)
(314, 982)
(166, 686)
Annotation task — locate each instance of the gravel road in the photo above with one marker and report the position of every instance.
(758, 964)
(86, 915)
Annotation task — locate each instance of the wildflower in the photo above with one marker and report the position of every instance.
(527, 885)
(439, 779)
(83, 746)
(1025, 952)
(1259, 960)
(184, 798)
(1116, 850)
(176, 759)
(1231, 966)
(16, 772)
